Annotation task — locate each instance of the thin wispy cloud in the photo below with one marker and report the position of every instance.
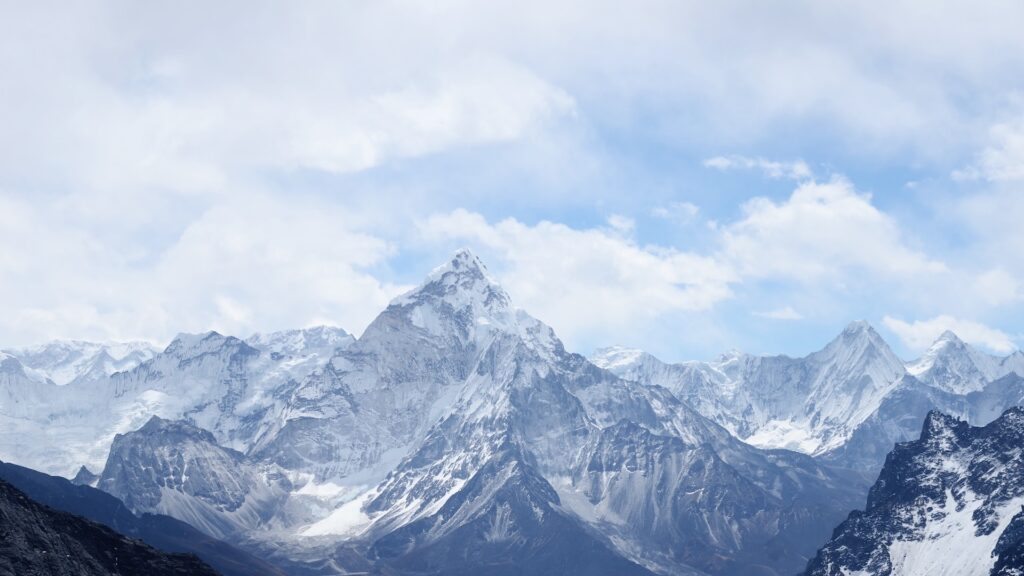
(796, 170)
(678, 212)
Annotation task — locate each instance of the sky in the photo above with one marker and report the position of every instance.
(683, 177)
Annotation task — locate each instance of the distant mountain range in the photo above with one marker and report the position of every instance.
(848, 403)
(66, 361)
(456, 435)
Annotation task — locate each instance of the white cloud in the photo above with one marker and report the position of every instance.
(785, 313)
(920, 334)
(825, 241)
(621, 223)
(184, 98)
(1002, 159)
(194, 99)
(482, 100)
(992, 222)
(996, 287)
(797, 170)
(587, 282)
(246, 264)
(824, 231)
(678, 212)
(130, 135)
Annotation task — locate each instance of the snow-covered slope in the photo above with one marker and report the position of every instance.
(24, 398)
(21, 391)
(66, 361)
(950, 503)
(703, 385)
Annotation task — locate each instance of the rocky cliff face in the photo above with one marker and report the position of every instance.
(950, 503)
(174, 468)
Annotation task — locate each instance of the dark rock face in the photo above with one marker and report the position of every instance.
(161, 532)
(910, 525)
(1010, 549)
(136, 468)
(36, 540)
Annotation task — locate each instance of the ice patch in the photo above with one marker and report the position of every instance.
(347, 520)
(784, 434)
(949, 546)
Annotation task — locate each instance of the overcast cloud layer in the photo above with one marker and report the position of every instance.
(685, 177)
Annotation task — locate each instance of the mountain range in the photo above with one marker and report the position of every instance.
(457, 435)
(847, 404)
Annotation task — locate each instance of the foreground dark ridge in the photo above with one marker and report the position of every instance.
(162, 532)
(37, 540)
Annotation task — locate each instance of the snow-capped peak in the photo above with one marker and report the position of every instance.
(947, 504)
(460, 299)
(614, 357)
(939, 427)
(859, 348)
(953, 365)
(858, 327)
(463, 262)
(947, 343)
(858, 331)
(731, 355)
(462, 281)
(158, 425)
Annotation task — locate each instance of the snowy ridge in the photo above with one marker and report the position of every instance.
(67, 361)
(321, 341)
